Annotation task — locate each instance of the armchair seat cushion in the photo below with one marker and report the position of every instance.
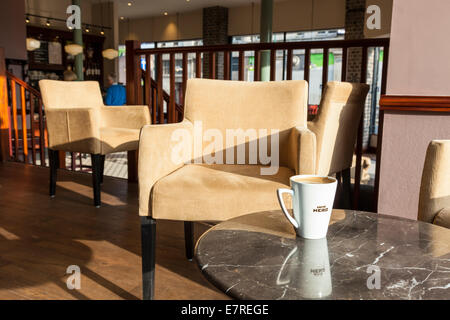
(219, 192)
(118, 139)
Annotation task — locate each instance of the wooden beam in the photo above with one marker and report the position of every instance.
(133, 81)
(226, 65)
(241, 67)
(171, 108)
(289, 65)
(4, 116)
(359, 142)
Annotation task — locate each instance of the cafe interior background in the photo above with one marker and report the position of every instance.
(152, 48)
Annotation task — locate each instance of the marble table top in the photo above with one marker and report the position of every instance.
(365, 256)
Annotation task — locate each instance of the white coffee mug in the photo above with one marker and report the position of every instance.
(312, 203)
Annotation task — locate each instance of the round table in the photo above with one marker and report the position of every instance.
(365, 256)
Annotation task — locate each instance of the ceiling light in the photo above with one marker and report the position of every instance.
(110, 54)
(33, 44)
(73, 49)
(129, 4)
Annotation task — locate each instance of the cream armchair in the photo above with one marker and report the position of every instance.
(434, 199)
(335, 128)
(77, 121)
(182, 177)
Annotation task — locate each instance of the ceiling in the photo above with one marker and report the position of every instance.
(146, 8)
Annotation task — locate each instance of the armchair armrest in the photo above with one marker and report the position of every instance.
(73, 129)
(130, 117)
(162, 150)
(443, 218)
(302, 150)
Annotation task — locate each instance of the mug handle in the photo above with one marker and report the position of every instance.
(283, 207)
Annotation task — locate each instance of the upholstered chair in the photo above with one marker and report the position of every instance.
(335, 129)
(77, 121)
(434, 199)
(182, 177)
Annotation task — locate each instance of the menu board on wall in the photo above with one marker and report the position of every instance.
(54, 53)
(41, 55)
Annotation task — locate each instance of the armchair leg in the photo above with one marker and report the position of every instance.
(102, 167)
(96, 172)
(53, 156)
(347, 188)
(148, 239)
(189, 239)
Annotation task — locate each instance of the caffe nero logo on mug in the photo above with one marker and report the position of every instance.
(318, 272)
(320, 209)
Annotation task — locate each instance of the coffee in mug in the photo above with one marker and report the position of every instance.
(312, 203)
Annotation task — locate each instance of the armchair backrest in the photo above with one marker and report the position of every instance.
(336, 125)
(70, 94)
(435, 185)
(231, 105)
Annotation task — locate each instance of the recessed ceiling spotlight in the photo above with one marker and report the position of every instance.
(165, 13)
(129, 4)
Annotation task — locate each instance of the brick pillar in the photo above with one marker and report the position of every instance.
(215, 32)
(354, 29)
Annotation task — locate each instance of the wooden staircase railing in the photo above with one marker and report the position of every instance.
(32, 136)
(23, 131)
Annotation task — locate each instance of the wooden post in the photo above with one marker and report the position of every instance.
(4, 118)
(359, 139)
(133, 80)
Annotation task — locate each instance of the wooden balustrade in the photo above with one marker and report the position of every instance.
(23, 139)
(165, 109)
(23, 132)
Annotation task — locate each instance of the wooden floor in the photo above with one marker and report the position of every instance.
(40, 237)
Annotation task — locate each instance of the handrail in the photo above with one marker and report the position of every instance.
(166, 96)
(320, 44)
(23, 84)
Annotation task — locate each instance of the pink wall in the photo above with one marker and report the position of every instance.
(12, 29)
(405, 140)
(419, 58)
(419, 64)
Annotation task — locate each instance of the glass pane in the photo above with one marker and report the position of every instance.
(332, 34)
(315, 76)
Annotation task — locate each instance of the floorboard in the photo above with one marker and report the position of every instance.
(40, 237)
